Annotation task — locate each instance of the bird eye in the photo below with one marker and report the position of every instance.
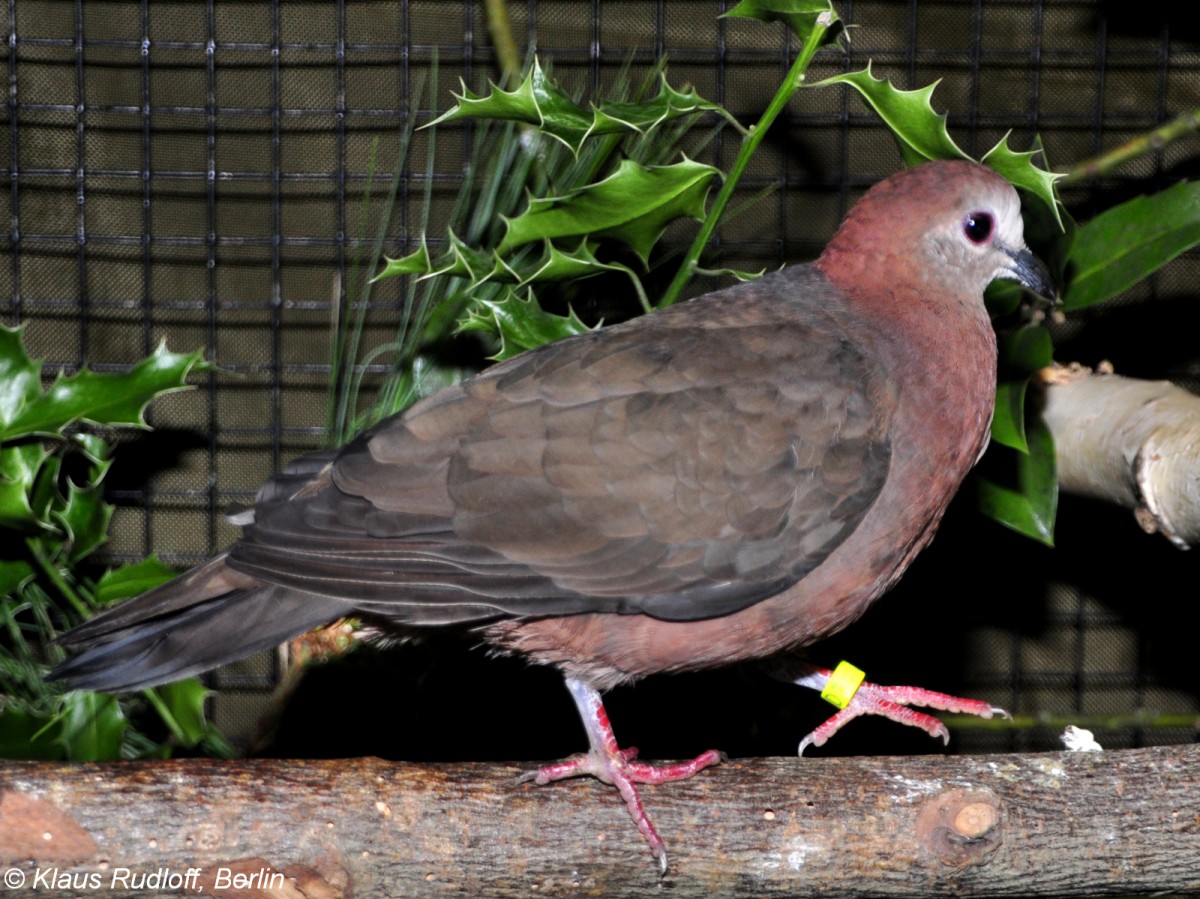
(978, 227)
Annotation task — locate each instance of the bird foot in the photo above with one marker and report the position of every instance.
(893, 703)
(619, 767)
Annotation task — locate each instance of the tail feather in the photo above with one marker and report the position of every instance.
(203, 583)
(194, 623)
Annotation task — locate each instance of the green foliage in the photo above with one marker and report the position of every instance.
(1129, 242)
(633, 205)
(1020, 489)
(1022, 170)
(920, 132)
(53, 517)
(538, 101)
(803, 17)
(620, 202)
(1022, 353)
(521, 323)
(557, 193)
(115, 399)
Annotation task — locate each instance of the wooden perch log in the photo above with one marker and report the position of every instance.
(1062, 824)
(1131, 442)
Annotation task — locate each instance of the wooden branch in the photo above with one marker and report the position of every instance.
(1131, 442)
(1062, 824)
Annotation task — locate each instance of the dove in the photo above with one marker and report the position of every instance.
(723, 480)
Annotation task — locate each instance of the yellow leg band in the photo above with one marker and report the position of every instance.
(843, 684)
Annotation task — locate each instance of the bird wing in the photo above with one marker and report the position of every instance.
(684, 466)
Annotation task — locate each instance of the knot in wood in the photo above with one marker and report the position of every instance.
(976, 819)
(961, 827)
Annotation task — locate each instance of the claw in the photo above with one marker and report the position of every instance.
(891, 702)
(613, 765)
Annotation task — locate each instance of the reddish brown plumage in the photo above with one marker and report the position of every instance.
(732, 476)
(728, 478)
(928, 329)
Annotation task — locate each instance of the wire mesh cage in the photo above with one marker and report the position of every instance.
(211, 174)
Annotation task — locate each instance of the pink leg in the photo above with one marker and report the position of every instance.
(611, 764)
(891, 703)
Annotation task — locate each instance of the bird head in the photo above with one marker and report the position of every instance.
(953, 226)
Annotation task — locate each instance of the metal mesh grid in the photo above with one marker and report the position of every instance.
(194, 172)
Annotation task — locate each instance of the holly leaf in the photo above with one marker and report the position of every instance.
(1129, 242)
(1019, 168)
(20, 376)
(801, 16)
(131, 580)
(416, 263)
(633, 205)
(519, 322)
(20, 466)
(560, 264)
(1022, 353)
(14, 574)
(538, 101)
(93, 726)
(184, 702)
(643, 116)
(1020, 490)
(85, 517)
(919, 131)
(117, 398)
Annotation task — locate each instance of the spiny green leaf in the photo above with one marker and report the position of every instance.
(1022, 353)
(1131, 241)
(103, 398)
(97, 451)
(85, 517)
(559, 264)
(20, 376)
(14, 574)
(919, 131)
(641, 117)
(537, 100)
(20, 465)
(131, 580)
(735, 273)
(632, 205)
(463, 261)
(44, 495)
(1019, 168)
(519, 322)
(555, 264)
(184, 700)
(93, 726)
(82, 512)
(416, 263)
(1020, 490)
(799, 15)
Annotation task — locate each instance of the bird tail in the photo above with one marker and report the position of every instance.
(204, 618)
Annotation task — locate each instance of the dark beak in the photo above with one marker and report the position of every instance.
(1029, 271)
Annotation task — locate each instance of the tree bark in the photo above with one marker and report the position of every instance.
(1061, 824)
(1131, 442)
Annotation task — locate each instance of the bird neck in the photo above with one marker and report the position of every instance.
(920, 311)
(924, 326)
